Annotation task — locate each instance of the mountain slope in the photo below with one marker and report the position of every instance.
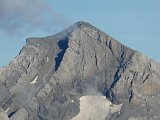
(51, 76)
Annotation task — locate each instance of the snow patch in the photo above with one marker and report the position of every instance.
(115, 108)
(47, 59)
(7, 109)
(34, 81)
(95, 108)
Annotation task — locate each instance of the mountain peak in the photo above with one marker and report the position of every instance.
(54, 77)
(81, 23)
(82, 26)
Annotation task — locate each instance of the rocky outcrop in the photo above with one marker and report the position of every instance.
(21, 114)
(51, 75)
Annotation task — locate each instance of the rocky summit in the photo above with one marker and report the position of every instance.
(80, 73)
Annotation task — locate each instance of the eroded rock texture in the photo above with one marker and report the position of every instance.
(50, 76)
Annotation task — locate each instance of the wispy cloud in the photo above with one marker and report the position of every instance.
(24, 16)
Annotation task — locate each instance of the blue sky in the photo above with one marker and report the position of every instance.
(133, 23)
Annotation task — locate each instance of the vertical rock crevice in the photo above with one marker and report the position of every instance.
(121, 68)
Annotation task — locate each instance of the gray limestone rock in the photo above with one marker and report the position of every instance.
(21, 114)
(48, 78)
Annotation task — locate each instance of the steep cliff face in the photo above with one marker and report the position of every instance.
(54, 77)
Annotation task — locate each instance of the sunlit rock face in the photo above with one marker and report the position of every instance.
(80, 73)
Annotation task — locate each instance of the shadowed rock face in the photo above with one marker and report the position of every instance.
(50, 77)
